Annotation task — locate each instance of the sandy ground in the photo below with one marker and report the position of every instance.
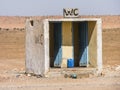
(111, 46)
(13, 77)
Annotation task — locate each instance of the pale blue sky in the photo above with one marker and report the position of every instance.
(55, 7)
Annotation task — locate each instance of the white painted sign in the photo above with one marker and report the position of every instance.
(70, 12)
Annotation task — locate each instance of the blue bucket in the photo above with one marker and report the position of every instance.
(70, 63)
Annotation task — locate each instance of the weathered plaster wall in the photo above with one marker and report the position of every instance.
(92, 43)
(35, 47)
(67, 33)
(99, 45)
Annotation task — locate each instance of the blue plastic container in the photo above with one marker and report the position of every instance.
(70, 63)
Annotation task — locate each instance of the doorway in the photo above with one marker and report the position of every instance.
(80, 31)
(64, 46)
(55, 35)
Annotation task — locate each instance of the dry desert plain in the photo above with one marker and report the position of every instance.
(12, 59)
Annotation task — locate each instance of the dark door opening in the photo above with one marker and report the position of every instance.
(55, 34)
(80, 30)
(80, 43)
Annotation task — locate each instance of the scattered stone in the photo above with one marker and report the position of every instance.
(47, 76)
(66, 75)
(39, 76)
(103, 74)
(17, 76)
(117, 68)
(74, 76)
(15, 69)
(29, 75)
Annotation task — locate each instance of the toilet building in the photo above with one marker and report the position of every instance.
(51, 42)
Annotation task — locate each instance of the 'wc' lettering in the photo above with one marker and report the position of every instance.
(70, 12)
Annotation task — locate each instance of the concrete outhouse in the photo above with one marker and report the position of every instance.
(51, 42)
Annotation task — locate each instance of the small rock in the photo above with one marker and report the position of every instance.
(117, 68)
(103, 74)
(74, 76)
(38, 76)
(47, 76)
(29, 75)
(66, 75)
(17, 76)
(15, 69)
